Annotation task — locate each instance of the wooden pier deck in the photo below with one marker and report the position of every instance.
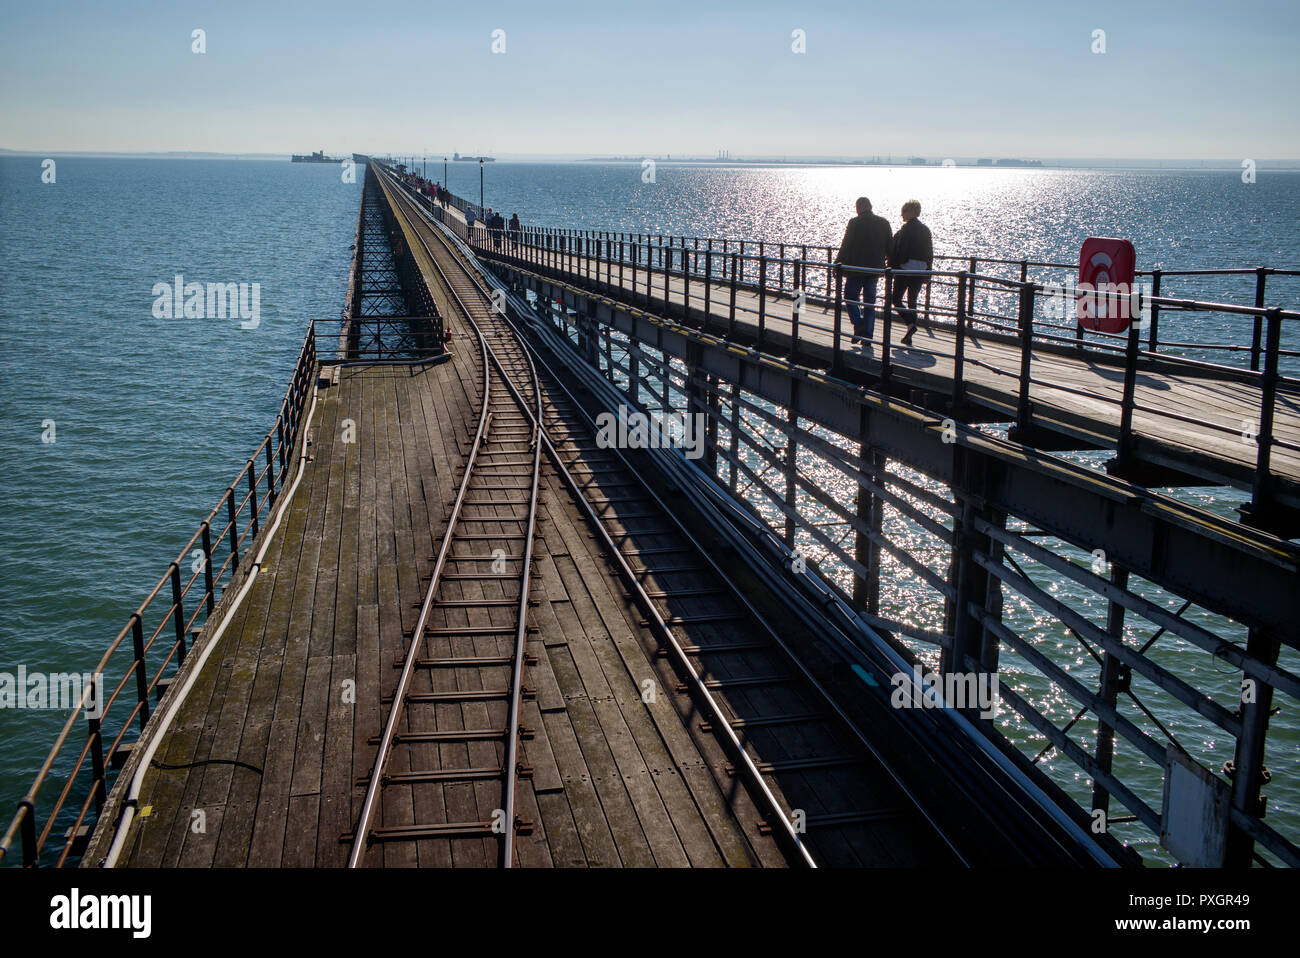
(614, 781)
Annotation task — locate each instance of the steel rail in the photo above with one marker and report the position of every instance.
(778, 817)
(656, 620)
(521, 630)
(375, 784)
(360, 842)
(901, 667)
(938, 830)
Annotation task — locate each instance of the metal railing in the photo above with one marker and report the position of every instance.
(379, 339)
(787, 268)
(932, 538)
(140, 662)
(676, 280)
(934, 563)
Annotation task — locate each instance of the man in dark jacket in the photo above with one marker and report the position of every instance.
(866, 245)
(913, 250)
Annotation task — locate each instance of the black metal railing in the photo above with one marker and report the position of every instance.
(825, 495)
(786, 268)
(140, 662)
(379, 339)
(699, 280)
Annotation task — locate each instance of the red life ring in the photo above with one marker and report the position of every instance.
(1106, 273)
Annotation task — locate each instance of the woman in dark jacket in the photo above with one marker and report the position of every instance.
(913, 249)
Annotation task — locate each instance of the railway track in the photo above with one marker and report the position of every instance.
(447, 762)
(823, 794)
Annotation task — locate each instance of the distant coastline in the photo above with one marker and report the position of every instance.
(1044, 163)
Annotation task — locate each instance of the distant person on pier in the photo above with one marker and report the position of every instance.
(913, 250)
(514, 230)
(469, 223)
(866, 245)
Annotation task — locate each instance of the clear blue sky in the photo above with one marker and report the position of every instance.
(941, 78)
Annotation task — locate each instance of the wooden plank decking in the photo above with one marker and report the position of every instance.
(614, 782)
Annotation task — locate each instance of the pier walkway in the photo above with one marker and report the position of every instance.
(1186, 423)
(270, 756)
(610, 783)
(439, 623)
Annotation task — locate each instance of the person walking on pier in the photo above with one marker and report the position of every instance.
(514, 230)
(913, 250)
(498, 230)
(865, 245)
(469, 223)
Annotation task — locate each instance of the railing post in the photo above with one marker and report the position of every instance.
(1026, 321)
(708, 281)
(234, 535)
(29, 834)
(762, 297)
(1153, 334)
(1262, 490)
(95, 732)
(252, 492)
(208, 585)
(1261, 276)
(959, 349)
(665, 261)
(141, 680)
(836, 335)
(279, 429)
(179, 611)
(795, 308)
(1124, 452)
(886, 332)
(731, 322)
(686, 281)
(270, 473)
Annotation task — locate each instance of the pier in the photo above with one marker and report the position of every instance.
(438, 623)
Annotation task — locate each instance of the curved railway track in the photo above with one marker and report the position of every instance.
(824, 795)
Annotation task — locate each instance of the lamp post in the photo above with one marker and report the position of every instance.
(444, 172)
(480, 184)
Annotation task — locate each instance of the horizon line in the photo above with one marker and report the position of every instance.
(686, 158)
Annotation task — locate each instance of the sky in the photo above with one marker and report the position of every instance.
(941, 78)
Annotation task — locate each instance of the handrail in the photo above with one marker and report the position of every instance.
(591, 258)
(263, 477)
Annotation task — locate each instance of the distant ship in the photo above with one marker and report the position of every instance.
(317, 157)
(457, 158)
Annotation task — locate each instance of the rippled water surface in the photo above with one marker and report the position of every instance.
(154, 417)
